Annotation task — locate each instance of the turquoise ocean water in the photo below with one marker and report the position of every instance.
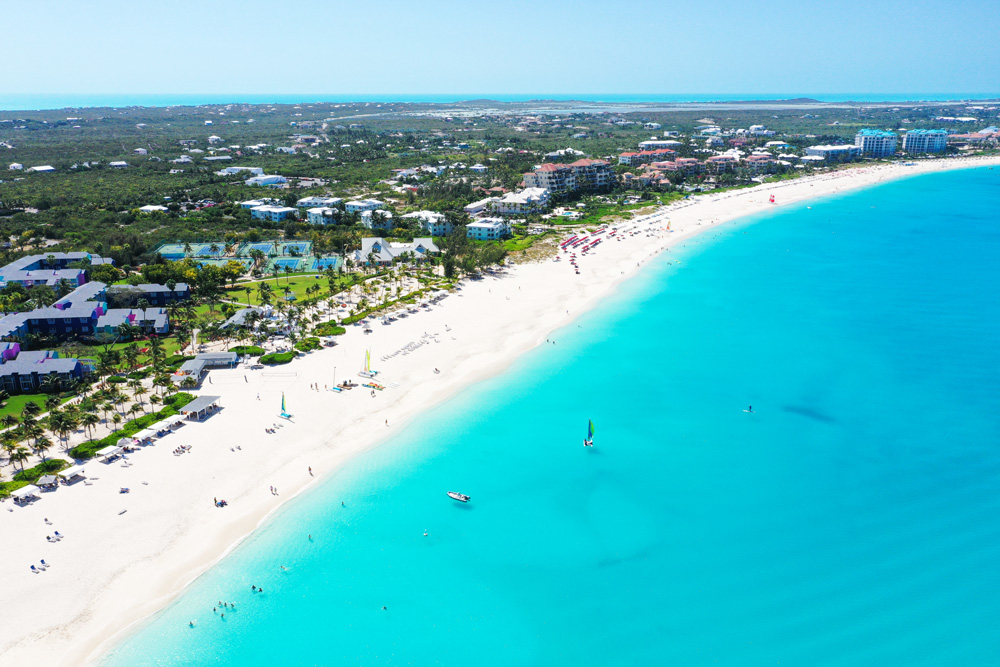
(851, 519)
(27, 101)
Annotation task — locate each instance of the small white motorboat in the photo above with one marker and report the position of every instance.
(460, 497)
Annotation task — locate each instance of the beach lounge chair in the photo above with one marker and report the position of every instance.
(35, 569)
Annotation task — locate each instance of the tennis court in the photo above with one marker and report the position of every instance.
(299, 248)
(205, 250)
(290, 262)
(172, 251)
(266, 248)
(324, 263)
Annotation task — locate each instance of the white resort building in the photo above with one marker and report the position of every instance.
(360, 205)
(876, 143)
(488, 229)
(925, 141)
(841, 153)
(382, 252)
(322, 215)
(273, 180)
(272, 213)
(528, 200)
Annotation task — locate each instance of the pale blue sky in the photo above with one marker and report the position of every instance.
(504, 47)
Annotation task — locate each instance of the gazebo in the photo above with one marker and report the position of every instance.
(201, 407)
(21, 495)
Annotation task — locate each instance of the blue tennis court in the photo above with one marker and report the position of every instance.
(300, 248)
(266, 248)
(324, 263)
(292, 263)
(206, 250)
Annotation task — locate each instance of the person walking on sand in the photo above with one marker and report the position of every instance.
(310, 471)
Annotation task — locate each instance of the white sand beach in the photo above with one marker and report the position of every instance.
(112, 569)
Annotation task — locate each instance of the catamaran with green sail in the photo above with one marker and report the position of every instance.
(589, 440)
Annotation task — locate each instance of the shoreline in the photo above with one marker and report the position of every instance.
(168, 539)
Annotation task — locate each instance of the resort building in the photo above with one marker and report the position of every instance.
(654, 144)
(377, 220)
(760, 163)
(153, 208)
(381, 252)
(240, 317)
(254, 203)
(583, 175)
(645, 157)
(310, 202)
(488, 229)
(323, 215)
(44, 169)
(26, 372)
(16, 166)
(360, 205)
(720, 163)
(435, 224)
(876, 143)
(273, 181)
(925, 141)
(477, 207)
(154, 295)
(273, 213)
(229, 171)
(528, 200)
(841, 153)
(197, 367)
(50, 269)
(150, 320)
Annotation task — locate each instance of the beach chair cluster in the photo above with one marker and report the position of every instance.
(413, 346)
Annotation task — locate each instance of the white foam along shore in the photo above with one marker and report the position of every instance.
(112, 569)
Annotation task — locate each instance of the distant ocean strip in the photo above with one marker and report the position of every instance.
(31, 102)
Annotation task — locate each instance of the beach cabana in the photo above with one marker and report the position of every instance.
(201, 407)
(108, 452)
(24, 493)
(70, 473)
(145, 435)
(124, 442)
(161, 427)
(47, 482)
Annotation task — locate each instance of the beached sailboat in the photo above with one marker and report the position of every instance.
(368, 372)
(460, 497)
(589, 440)
(284, 412)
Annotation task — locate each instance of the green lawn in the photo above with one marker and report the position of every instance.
(15, 404)
(297, 283)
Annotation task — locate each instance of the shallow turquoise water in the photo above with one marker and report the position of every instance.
(850, 520)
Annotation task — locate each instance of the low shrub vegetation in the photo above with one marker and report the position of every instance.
(28, 476)
(329, 329)
(173, 405)
(247, 350)
(276, 358)
(308, 344)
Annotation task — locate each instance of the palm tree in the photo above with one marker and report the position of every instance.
(19, 455)
(138, 393)
(42, 445)
(31, 409)
(9, 420)
(89, 420)
(116, 419)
